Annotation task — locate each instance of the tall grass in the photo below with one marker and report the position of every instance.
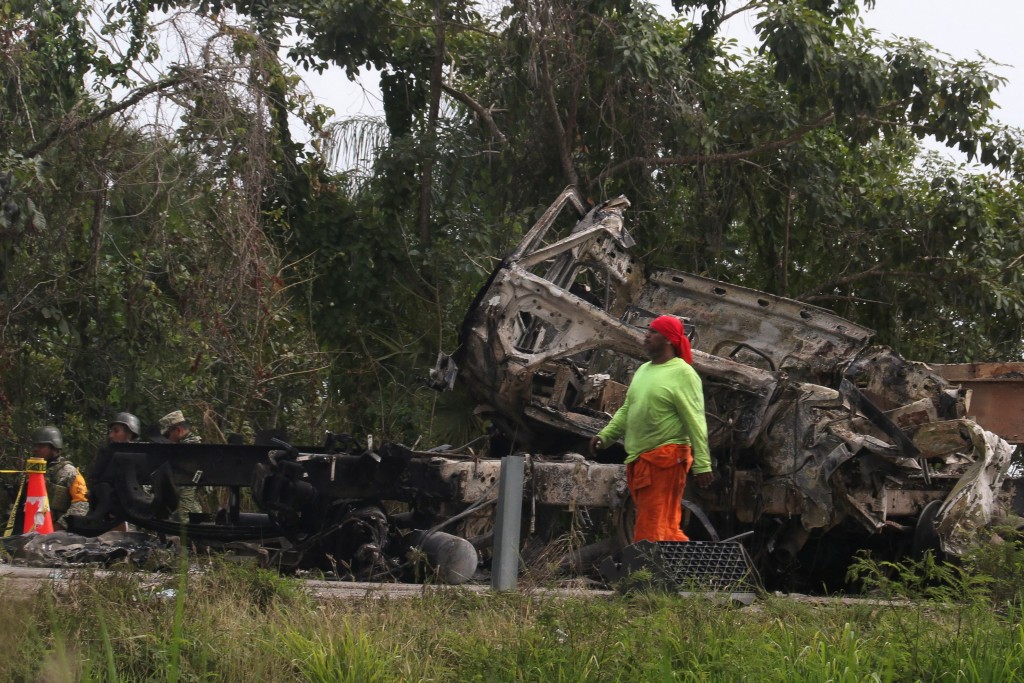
(928, 621)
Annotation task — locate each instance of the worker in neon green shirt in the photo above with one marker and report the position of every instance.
(665, 432)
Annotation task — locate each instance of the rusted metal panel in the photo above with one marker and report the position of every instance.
(943, 440)
(996, 395)
(968, 372)
(472, 480)
(753, 327)
(575, 481)
(973, 501)
(907, 503)
(579, 483)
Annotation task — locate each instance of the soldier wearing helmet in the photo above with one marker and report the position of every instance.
(176, 429)
(124, 428)
(65, 485)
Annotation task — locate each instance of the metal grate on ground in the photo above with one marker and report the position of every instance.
(720, 566)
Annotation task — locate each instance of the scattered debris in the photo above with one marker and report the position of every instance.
(60, 548)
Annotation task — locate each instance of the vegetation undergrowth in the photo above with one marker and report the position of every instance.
(926, 621)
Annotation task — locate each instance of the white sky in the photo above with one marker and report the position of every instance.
(965, 28)
(961, 28)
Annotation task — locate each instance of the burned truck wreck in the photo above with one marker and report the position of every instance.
(821, 443)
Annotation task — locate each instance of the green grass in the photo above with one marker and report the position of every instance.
(239, 624)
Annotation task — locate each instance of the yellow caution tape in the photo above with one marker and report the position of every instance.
(9, 528)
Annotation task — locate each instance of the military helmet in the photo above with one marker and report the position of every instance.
(48, 434)
(129, 421)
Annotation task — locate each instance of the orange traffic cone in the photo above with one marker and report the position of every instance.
(37, 505)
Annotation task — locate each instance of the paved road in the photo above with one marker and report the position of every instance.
(24, 581)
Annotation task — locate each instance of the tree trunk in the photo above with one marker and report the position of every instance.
(427, 175)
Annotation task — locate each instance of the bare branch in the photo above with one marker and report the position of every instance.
(547, 87)
(436, 86)
(839, 282)
(729, 15)
(1014, 263)
(71, 124)
(842, 297)
(480, 110)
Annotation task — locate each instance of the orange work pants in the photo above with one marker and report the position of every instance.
(656, 481)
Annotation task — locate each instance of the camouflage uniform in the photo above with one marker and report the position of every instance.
(188, 496)
(66, 489)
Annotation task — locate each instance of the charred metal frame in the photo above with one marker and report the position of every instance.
(316, 503)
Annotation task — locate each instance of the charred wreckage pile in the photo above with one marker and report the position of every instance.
(821, 444)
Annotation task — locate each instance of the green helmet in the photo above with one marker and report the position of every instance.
(48, 434)
(129, 421)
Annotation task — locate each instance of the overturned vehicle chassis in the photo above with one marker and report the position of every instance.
(360, 513)
(821, 444)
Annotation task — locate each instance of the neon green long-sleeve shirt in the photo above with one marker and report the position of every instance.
(664, 404)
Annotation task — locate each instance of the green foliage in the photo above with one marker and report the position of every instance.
(792, 171)
(915, 590)
(924, 579)
(260, 589)
(1002, 561)
(348, 657)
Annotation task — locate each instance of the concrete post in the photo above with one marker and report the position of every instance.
(505, 564)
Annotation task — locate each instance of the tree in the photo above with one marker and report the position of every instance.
(139, 268)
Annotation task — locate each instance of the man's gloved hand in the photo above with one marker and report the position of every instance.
(595, 444)
(704, 479)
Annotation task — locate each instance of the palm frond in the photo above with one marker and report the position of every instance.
(353, 143)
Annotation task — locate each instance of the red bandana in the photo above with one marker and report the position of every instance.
(671, 328)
